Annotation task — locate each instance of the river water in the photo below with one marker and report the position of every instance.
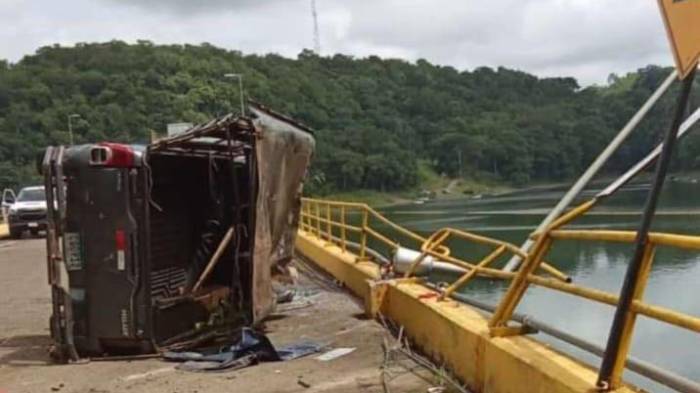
(674, 281)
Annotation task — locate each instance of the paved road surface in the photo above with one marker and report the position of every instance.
(333, 318)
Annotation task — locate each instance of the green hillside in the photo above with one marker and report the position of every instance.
(376, 119)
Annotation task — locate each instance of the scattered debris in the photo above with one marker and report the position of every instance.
(401, 346)
(57, 388)
(303, 384)
(295, 305)
(300, 299)
(284, 296)
(334, 354)
(251, 348)
(148, 373)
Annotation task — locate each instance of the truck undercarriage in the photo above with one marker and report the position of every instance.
(171, 244)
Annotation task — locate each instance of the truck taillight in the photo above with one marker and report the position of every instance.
(120, 239)
(120, 242)
(112, 155)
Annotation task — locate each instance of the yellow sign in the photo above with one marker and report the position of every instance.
(682, 19)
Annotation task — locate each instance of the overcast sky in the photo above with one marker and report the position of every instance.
(587, 39)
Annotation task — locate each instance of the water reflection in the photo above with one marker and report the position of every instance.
(673, 283)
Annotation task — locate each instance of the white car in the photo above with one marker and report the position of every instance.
(28, 212)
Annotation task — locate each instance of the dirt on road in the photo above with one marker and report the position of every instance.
(331, 317)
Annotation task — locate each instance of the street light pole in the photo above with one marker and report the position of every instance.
(240, 88)
(70, 125)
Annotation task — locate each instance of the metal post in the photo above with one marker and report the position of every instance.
(472, 273)
(593, 169)
(363, 236)
(70, 130)
(70, 126)
(240, 88)
(343, 238)
(329, 226)
(520, 283)
(318, 220)
(309, 217)
(459, 161)
(613, 353)
(649, 159)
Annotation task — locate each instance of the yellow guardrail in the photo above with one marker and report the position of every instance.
(317, 216)
(329, 220)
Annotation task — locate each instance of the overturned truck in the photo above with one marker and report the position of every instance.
(158, 246)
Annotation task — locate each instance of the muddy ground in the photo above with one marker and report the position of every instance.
(332, 318)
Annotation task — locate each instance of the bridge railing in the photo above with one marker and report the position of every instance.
(329, 220)
(345, 222)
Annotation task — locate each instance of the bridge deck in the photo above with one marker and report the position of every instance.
(332, 318)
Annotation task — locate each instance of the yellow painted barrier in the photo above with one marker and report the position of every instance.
(4, 231)
(333, 235)
(452, 333)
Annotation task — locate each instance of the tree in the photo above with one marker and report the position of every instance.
(374, 118)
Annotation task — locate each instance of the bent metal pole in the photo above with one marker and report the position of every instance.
(621, 329)
(649, 159)
(633, 171)
(593, 169)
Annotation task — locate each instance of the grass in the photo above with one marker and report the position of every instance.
(370, 197)
(429, 181)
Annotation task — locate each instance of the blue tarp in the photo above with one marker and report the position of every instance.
(251, 348)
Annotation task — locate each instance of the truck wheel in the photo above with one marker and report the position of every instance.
(15, 233)
(34, 232)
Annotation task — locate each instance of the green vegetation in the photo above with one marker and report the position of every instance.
(370, 197)
(383, 125)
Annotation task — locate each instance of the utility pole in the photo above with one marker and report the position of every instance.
(317, 35)
(459, 161)
(620, 335)
(240, 88)
(70, 125)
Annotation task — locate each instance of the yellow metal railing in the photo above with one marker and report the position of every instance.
(328, 220)
(436, 240)
(543, 243)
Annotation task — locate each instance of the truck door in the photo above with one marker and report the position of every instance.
(8, 199)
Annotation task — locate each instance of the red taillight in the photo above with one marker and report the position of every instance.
(112, 154)
(120, 239)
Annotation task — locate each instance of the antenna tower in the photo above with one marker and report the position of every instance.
(317, 35)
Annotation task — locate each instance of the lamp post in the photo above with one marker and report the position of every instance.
(240, 88)
(70, 125)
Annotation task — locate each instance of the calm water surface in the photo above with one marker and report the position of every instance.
(674, 282)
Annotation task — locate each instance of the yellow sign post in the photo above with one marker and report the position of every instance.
(682, 19)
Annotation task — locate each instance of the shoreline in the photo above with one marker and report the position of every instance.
(379, 200)
(452, 189)
(445, 189)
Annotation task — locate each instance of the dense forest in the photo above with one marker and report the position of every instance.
(375, 119)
